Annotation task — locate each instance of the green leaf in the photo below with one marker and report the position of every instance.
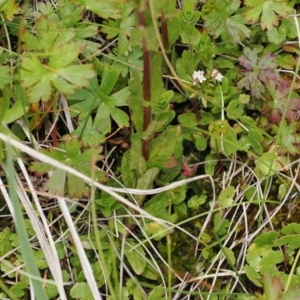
(145, 182)
(104, 9)
(229, 255)
(9, 8)
(41, 78)
(220, 225)
(291, 294)
(234, 110)
(268, 12)
(56, 183)
(253, 275)
(270, 163)
(99, 96)
(136, 256)
(5, 77)
(255, 138)
(291, 228)
(291, 240)
(157, 293)
(226, 196)
(276, 35)
(196, 201)
(122, 27)
(19, 289)
(286, 61)
(81, 290)
(272, 286)
(71, 155)
(5, 244)
(220, 22)
(162, 147)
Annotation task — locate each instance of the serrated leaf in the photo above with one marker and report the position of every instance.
(291, 228)
(268, 12)
(41, 78)
(15, 112)
(5, 244)
(253, 275)
(73, 157)
(56, 184)
(222, 23)
(196, 201)
(104, 9)
(276, 35)
(9, 8)
(258, 72)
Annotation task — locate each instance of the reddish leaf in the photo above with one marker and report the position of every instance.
(258, 72)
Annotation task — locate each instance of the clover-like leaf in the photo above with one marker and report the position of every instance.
(268, 12)
(70, 154)
(257, 71)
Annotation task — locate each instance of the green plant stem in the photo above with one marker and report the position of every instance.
(169, 249)
(26, 248)
(164, 30)
(295, 263)
(196, 109)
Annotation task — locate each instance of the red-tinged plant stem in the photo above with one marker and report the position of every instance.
(196, 109)
(146, 74)
(164, 30)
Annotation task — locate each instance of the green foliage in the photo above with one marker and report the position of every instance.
(90, 81)
(222, 19)
(70, 154)
(267, 11)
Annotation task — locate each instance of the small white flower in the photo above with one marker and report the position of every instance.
(219, 77)
(198, 76)
(214, 73)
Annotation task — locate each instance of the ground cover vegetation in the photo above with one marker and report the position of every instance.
(149, 149)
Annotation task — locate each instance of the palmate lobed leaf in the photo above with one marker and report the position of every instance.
(62, 182)
(267, 11)
(220, 22)
(10, 8)
(104, 9)
(41, 78)
(47, 34)
(257, 72)
(62, 55)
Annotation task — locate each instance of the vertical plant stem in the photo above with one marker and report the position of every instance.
(26, 248)
(146, 74)
(164, 30)
(196, 109)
